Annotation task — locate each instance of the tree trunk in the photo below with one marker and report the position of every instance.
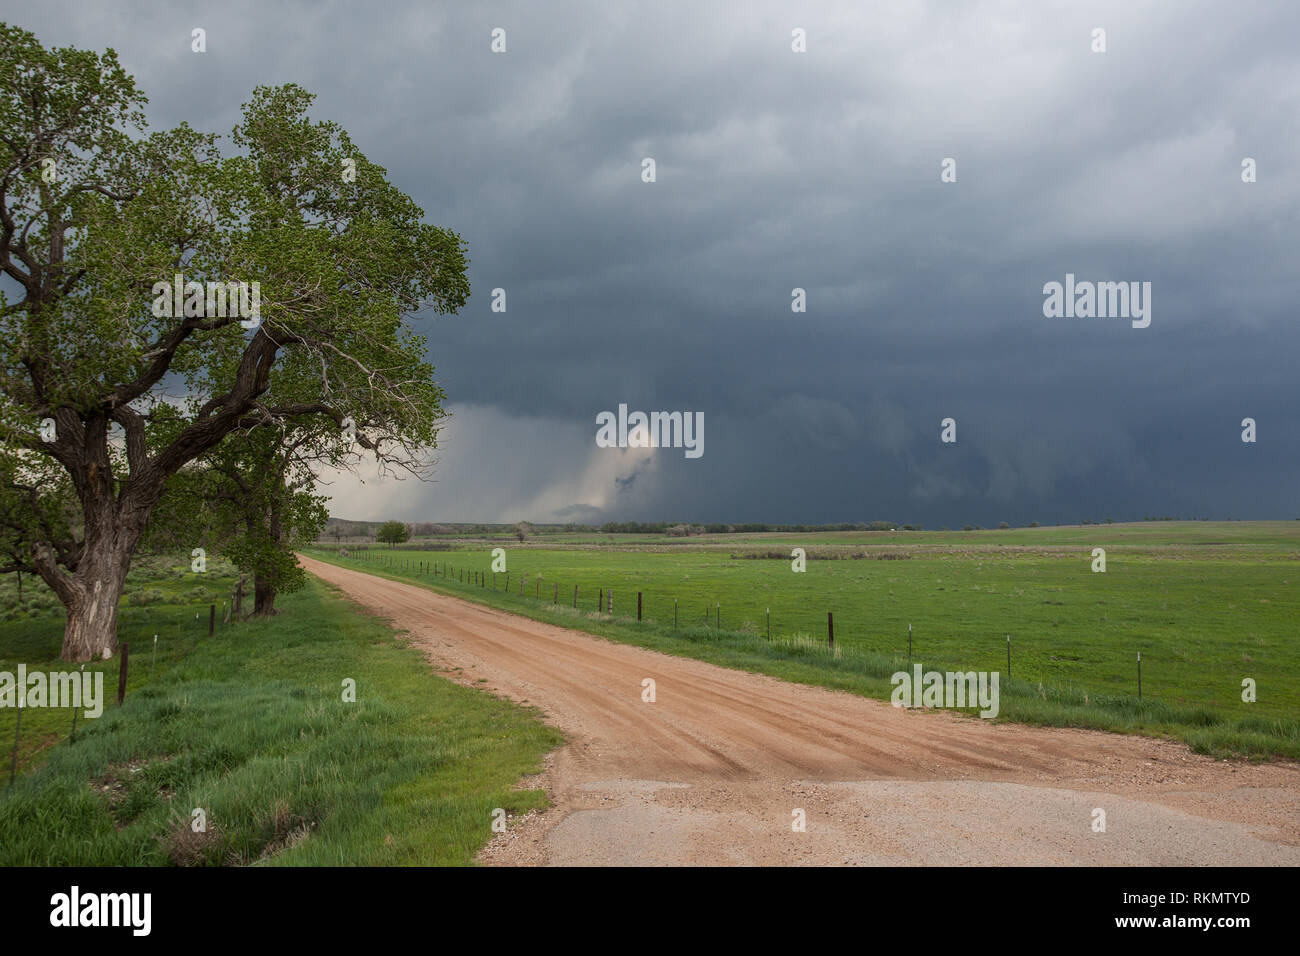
(115, 510)
(112, 523)
(90, 629)
(265, 585)
(237, 599)
(264, 592)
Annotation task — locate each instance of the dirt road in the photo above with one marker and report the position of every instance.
(715, 770)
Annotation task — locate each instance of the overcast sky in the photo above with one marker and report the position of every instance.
(817, 170)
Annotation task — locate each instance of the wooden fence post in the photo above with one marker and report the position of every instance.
(18, 726)
(121, 674)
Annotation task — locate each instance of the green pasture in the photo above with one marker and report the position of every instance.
(1207, 605)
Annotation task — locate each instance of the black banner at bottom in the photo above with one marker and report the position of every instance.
(334, 906)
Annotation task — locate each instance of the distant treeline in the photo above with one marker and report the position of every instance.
(682, 530)
(823, 556)
(338, 528)
(342, 528)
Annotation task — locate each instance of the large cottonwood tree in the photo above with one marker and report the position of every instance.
(102, 400)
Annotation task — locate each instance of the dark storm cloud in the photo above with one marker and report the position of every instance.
(819, 171)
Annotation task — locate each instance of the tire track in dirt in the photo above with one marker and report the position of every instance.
(712, 771)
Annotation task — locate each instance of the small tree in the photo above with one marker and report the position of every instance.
(252, 499)
(392, 533)
(522, 530)
(261, 485)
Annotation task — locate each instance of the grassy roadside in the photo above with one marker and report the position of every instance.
(163, 614)
(803, 658)
(251, 727)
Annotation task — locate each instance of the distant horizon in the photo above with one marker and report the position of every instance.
(820, 526)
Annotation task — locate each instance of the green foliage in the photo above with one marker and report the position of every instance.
(252, 500)
(392, 532)
(93, 348)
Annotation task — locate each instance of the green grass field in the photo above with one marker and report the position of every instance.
(1207, 604)
(251, 726)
